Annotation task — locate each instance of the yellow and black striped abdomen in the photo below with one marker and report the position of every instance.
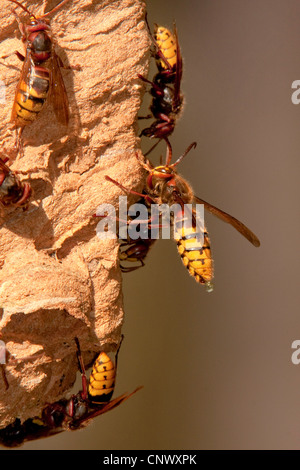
(195, 255)
(167, 44)
(102, 379)
(31, 95)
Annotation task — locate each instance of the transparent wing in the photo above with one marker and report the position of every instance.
(178, 74)
(239, 226)
(109, 406)
(58, 93)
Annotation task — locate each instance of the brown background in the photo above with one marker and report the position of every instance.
(216, 368)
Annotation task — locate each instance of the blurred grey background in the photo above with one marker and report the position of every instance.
(216, 368)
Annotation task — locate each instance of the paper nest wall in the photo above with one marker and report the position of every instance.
(58, 280)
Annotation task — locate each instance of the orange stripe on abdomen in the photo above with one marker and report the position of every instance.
(31, 96)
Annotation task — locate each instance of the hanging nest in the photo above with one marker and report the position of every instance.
(58, 280)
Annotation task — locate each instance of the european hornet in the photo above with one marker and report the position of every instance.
(13, 192)
(135, 251)
(41, 78)
(165, 88)
(165, 186)
(71, 414)
(16, 433)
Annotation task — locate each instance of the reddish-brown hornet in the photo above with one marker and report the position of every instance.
(41, 77)
(165, 186)
(13, 192)
(165, 88)
(132, 253)
(76, 412)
